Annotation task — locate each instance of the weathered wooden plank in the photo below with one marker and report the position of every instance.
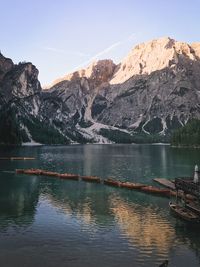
(17, 158)
(188, 186)
(165, 182)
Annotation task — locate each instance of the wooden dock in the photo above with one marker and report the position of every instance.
(194, 206)
(164, 182)
(17, 158)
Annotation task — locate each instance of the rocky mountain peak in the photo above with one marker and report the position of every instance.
(196, 47)
(153, 91)
(6, 65)
(99, 71)
(152, 56)
(21, 81)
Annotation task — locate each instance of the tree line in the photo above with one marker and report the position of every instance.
(189, 135)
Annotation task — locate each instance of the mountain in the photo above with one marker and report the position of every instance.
(152, 92)
(20, 99)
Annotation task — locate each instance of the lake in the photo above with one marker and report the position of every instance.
(50, 222)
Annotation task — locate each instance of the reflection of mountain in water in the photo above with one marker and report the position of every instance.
(143, 226)
(140, 219)
(146, 225)
(19, 197)
(92, 204)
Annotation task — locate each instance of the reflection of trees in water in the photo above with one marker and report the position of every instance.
(139, 216)
(102, 205)
(88, 202)
(19, 198)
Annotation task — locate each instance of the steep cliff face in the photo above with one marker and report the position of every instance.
(154, 90)
(6, 64)
(196, 47)
(153, 56)
(20, 101)
(68, 103)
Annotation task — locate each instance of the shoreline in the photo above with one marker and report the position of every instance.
(186, 146)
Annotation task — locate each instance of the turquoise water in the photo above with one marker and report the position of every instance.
(49, 222)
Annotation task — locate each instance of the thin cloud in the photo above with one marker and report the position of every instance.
(106, 50)
(62, 51)
(101, 53)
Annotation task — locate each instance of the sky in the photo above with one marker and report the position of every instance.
(61, 36)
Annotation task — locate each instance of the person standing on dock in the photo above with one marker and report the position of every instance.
(196, 174)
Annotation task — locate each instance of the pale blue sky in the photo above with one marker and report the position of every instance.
(60, 36)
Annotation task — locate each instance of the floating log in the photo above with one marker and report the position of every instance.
(68, 176)
(33, 171)
(48, 173)
(130, 185)
(112, 182)
(19, 170)
(156, 190)
(17, 158)
(95, 179)
(29, 171)
(92, 179)
(164, 182)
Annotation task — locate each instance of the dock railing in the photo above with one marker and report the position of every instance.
(187, 185)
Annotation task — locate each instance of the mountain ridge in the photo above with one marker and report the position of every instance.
(166, 42)
(153, 91)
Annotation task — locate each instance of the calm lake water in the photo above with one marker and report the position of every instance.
(50, 222)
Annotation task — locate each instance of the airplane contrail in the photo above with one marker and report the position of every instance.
(105, 51)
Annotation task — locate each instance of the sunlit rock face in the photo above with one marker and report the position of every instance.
(98, 72)
(196, 47)
(148, 57)
(154, 90)
(19, 85)
(20, 82)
